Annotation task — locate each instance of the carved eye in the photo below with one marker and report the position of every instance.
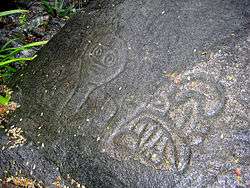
(98, 51)
(109, 59)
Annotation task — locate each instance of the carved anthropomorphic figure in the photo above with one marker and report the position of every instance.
(103, 59)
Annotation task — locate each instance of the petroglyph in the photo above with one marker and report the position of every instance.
(196, 100)
(103, 60)
(178, 117)
(146, 140)
(99, 109)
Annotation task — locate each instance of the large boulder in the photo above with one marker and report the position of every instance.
(149, 93)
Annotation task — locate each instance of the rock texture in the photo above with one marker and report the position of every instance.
(148, 93)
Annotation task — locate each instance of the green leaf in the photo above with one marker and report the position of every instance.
(7, 43)
(9, 12)
(61, 4)
(30, 45)
(47, 6)
(4, 100)
(17, 59)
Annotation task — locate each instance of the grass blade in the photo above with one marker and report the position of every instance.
(17, 59)
(7, 43)
(33, 44)
(9, 12)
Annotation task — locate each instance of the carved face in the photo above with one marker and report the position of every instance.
(104, 58)
(101, 55)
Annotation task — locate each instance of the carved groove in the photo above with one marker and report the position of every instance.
(178, 112)
(146, 140)
(103, 60)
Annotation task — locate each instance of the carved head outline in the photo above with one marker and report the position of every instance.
(105, 58)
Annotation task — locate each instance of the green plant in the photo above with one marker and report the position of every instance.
(4, 100)
(22, 20)
(8, 55)
(10, 12)
(58, 8)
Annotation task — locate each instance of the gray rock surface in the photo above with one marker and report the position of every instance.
(147, 93)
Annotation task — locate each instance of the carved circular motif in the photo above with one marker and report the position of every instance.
(104, 58)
